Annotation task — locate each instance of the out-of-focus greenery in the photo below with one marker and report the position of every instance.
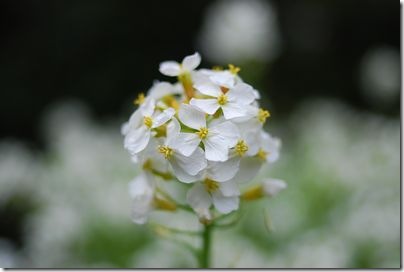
(341, 207)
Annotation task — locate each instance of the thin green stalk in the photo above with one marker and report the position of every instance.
(205, 252)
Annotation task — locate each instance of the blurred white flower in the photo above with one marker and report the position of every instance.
(240, 30)
(380, 75)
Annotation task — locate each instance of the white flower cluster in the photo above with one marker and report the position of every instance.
(205, 130)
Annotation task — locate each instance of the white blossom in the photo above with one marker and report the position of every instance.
(139, 129)
(217, 137)
(205, 129)
(173, 68)
(231, 101)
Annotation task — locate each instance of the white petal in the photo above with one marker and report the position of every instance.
(209, 106)
(229, 188)
(223, 78)
(248, 169)
(163, 117)
(225, 133)
(191, 116)
(181, 174)
(186, 143)
(242, 93)
(173, 130)
(271, 145)
(233, 110)
(170, 68)
(192, 164)
(215, 150)
(141, 186)
(141, 191)
(198, 198)
(137, 140)
(223, 171)
(161, 89)
(273, 186)
(147, 108)
(208, 89)
(225, 204)
(125, 128)
(189, 63)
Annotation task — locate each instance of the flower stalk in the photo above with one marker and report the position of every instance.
(204, 261)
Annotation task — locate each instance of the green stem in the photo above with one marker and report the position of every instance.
(205, 252)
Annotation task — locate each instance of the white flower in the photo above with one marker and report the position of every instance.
(232, 101)
(216, 188)
(186, 168)
(141, 190)
(139, 129)
(240, 31)
(269, 147)
(173, 68)
(272, 187)
(223, 195)
(217, 137)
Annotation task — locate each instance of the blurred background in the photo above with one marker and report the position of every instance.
(329, 72)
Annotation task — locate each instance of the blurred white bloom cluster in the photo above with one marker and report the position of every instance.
(205, 130)
(240, 30)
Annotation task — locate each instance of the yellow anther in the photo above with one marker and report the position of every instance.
(148, 121)
(166, 151)
(253, 193)
(217, 68)
(224, 89)
(140, 99)
(262, 154)
(234, 69)
(202, 132)
(222, 99)
(241, 148)
(263, 115)
(211, 185)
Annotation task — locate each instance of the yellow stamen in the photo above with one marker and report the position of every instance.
(262, 154)
(253, 193)
(222, 99)
(202, 133)
(166, 151)
(217, 68)
(241, 148)
(186, 81)
(234, 69)
(148, 121)
(140, 99)
(164, 204)
(263, 115)
(211, 185)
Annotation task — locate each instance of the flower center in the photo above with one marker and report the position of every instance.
(263, 115)
(222, 99)
(262, 154)
(203, 132)
(166, 151)
(140, 99)
(241, 148)
(148, 121)
(211, 185)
